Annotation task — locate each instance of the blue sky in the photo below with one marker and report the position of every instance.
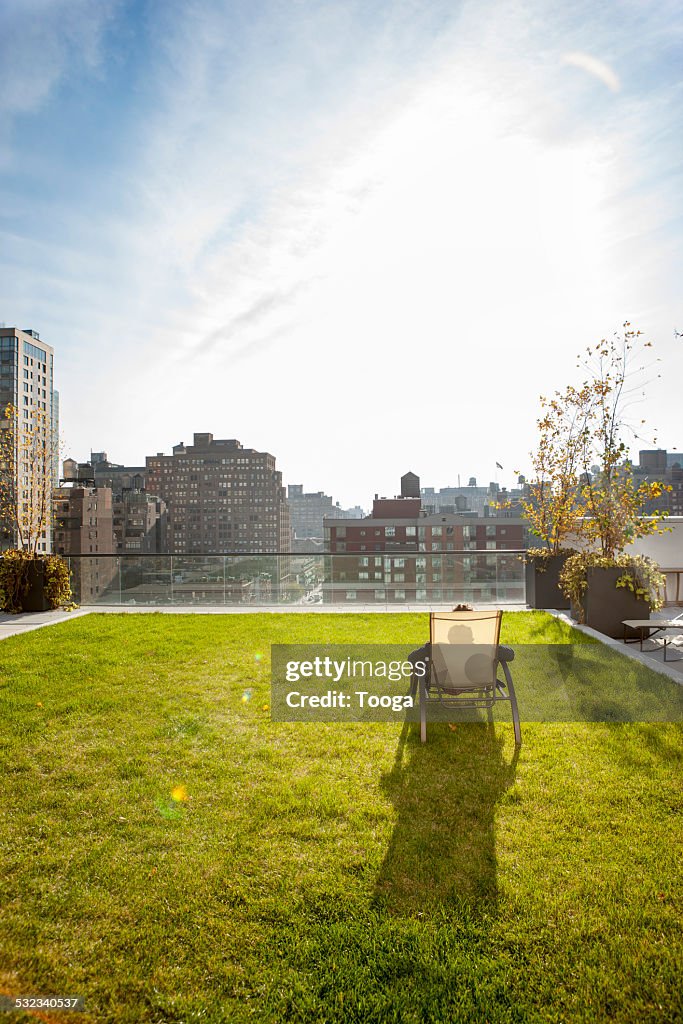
(364, 236)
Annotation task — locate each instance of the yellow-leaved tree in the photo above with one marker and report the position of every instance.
(28, 454)
(612, 502)
(551, 503)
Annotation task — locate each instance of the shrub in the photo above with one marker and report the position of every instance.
(641, 576)
(15, 581)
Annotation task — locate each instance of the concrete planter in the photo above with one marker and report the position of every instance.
(605, 606)
(543, 588)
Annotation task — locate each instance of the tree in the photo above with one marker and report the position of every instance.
(611, 501)
(582, 482)
(27, 458)
(551, 503)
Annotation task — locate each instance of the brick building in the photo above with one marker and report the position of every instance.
(220, 498)
(401, 554)
(83, 525)
(139, 522)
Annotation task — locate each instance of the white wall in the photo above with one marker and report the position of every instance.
(665, 548)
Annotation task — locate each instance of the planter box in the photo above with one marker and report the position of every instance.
(542, 588)
(605, 605)
(35, 599)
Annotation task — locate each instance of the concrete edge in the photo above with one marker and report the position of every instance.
(28, 622)
(618, 645)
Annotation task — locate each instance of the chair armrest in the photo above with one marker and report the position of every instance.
(505, 653)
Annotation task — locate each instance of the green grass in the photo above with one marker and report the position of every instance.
(321, 872)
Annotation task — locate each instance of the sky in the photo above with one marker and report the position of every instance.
(362, 235)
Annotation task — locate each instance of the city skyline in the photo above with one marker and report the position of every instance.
(364, 238)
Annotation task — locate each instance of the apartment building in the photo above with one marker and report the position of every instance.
(117, 476)
(307, 511)
(666, 467)
(139, 521)
(27, 384)
(220, 498)
(83, 526)
(400, 553)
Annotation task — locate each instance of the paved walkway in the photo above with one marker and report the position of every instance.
(652, 654)
(26, 622)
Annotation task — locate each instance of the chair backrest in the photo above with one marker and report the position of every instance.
(464, 648)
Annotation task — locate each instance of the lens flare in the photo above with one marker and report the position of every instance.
(168, 809)
(247, 695)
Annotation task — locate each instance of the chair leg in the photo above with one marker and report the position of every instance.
(423, 711)
(513, 705)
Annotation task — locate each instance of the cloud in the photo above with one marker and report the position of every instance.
(251, 316)
(597, 68)
(346, 185)
(45, 40)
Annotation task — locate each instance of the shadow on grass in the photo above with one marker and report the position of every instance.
(591, 683)
(419, 952)
(442, 850)
(639, 744)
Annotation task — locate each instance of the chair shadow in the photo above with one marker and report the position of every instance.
(442, 851)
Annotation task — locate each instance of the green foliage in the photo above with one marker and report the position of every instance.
(57, 582)
(642, 576)
(15, 568)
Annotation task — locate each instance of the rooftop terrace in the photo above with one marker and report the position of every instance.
(170, 853)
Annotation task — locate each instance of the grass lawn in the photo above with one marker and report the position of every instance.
(322, 872)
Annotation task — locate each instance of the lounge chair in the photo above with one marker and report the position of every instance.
(463, 658)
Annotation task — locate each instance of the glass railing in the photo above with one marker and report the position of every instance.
(257, 580)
